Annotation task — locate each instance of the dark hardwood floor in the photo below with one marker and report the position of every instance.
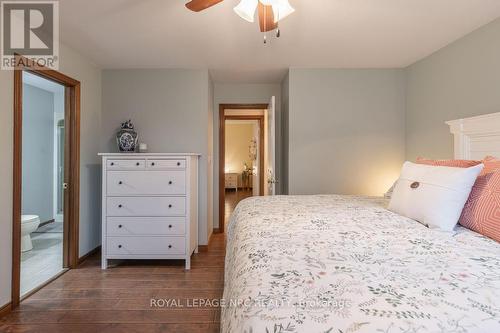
(88, 299)
(232, 198)
(118, 300)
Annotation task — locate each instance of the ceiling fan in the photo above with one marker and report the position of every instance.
(270, 11)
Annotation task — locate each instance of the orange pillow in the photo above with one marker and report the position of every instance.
(481, 212)
(449, 163)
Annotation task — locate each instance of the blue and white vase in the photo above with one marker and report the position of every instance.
(126, 138)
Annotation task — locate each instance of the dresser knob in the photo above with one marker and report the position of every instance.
(153, 163)
(120, 206)
(112, 164)
(119, 246)
(170, 246)
(138, 164)
(169, 206)
(170, 183)
(120, 182)
(120, 226)
(178, 163)
(170, 226)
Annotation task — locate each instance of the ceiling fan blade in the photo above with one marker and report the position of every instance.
(266, 18)
(199, 5)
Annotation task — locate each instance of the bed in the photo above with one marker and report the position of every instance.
(347, 264)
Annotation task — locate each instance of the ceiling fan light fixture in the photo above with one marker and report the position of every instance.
(246, 9)
(281, 9)
(268, 2)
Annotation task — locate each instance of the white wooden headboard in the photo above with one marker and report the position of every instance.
(476, 137)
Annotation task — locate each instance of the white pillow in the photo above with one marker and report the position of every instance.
(388, 194)
(433, 195)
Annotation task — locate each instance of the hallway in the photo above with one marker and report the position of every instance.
(232, 198)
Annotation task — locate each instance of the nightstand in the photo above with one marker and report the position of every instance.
(231, 180)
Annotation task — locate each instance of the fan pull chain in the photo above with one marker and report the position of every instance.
(265, 24)
(278, 32)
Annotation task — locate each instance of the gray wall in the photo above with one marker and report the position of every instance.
(285, 96)
(460, 80)
(346, 130)
(6, 133)
(38, 153)
(210, 158)
(243, 94)
(89, 75)
(78, 67)
(169, 108)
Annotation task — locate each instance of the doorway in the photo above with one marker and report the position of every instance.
(45, 179)
(241, 155)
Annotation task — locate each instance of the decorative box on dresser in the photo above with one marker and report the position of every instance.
(149, 206)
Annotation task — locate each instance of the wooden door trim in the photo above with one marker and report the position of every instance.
(17, 190)
(71, 244)
(222, 148)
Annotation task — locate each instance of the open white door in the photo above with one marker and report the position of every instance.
(271, 147)
(256, 162)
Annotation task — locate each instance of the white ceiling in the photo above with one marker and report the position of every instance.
(322, 33)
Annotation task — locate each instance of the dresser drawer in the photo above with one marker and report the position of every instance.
(137, 226)
(231, 177)
(231, 180)
(145, 245)
(146, 206)
(126, 164)
(163, 164)
(146, 182)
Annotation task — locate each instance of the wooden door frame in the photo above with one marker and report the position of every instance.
(72, 168)
(222, 148)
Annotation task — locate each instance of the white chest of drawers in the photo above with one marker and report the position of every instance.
(149, 206)
(231, 180)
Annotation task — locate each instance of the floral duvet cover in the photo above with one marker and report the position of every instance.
(346, 264)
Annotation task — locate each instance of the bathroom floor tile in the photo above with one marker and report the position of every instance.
(43, 262)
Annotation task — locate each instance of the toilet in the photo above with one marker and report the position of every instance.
(29, 223)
